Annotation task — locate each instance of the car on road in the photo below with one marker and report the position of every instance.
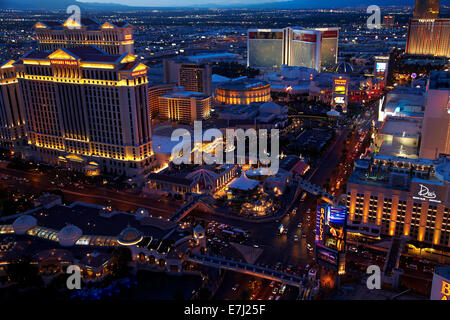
(427, 269)
(412, 266)
(299, 225)
(271, 298)
(275, 290)
(295, 238)
(235, 287)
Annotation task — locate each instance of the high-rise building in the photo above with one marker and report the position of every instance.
(85, 109)
(154, 92)
(429, 37)
(395, 196)
(184, 107)
(12, 121)
(292, 46)
(436, 121)
(426, 9)
(111, 37)
(195, 77)
(265, 48)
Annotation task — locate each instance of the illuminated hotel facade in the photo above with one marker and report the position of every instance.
(184, 107)
(243, 91)
(429, 37)
(12, 121)
(111, 37)
(293, 46)
(401, 197)
(86, 109)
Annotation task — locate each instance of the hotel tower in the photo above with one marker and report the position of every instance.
(86, 109)
(112, 37)
(12, 121)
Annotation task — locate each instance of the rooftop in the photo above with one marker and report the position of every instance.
(440, 80)
(186, 94)
(243, 84)
(402, 127)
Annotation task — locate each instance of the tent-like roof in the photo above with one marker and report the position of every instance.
(243, 183)
(205, 177)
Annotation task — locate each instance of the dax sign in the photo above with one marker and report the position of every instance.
(425, 193)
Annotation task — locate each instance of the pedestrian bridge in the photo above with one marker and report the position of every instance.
(247, 268)
(315, 190)
(194, 203)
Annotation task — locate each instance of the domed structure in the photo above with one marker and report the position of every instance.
(343, 67)
(24, 223)
(69, 235)
(129, 236)
(333, 113)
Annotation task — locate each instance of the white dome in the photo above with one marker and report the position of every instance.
(333, 113)
(69, 235)
(24, 223)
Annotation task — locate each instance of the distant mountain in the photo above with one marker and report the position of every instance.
(315, 4)
(293, 4)
(58, 5)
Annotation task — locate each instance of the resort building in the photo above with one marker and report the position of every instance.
(12, 118)
(396, 196)
(111, 37)
(243, 91)
(184, 106)
(86, 109)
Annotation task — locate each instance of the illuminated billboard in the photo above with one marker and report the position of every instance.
(340, 91)
(331, 235)
(381, 67)
(440, 288)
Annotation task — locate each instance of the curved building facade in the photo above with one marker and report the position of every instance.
(243, 91)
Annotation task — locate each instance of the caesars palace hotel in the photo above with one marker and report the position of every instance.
(82, 107)
(401, 197)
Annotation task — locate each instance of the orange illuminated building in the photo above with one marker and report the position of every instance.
(243, 91)
(86, 109)
(401, 197)
(111, 37)
(12, 122)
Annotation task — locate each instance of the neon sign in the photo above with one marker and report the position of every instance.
(139, 73)
(64, 62)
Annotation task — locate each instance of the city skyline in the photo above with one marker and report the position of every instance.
(225, 156)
